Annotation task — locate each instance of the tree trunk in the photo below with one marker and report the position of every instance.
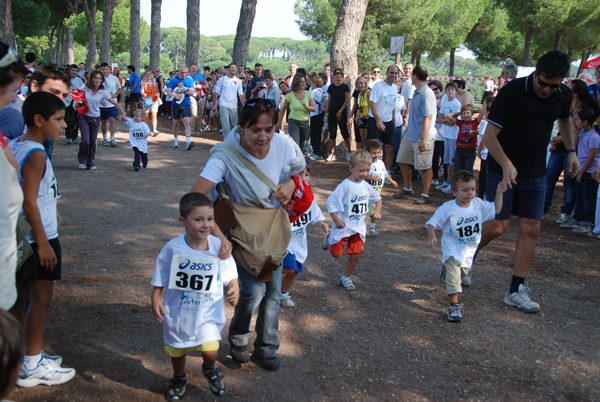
(527, 44)
(134, 35)
(89, 7)
(192, 48)
(7, 29)
(69, 47)
(243, 32)
(344, 46)
(558, 40)
(452, 58)
(107, 18)
(418, 59)
(584, 56)
(155, 35)
(413, 57)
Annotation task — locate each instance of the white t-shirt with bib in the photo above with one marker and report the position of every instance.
(350, 200)
(136, 134)
(192, 318)
(299, 244)
(461, 228)
(378, 169)
(447, 107)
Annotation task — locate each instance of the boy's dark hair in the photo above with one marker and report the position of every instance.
(451, 84)
(467, 106)
(30, 57)
(73, 66)
(231, 64)
(421, 73)
(131, 67)
(588, 115)
(488, 101)
(460, 83)
(192, 200)
(308, 167)
(460, 175)
(49, 71)
(43, 103)
(104, 65)
(257, 65)
(12, 346)
(553, 64)
(372, 144)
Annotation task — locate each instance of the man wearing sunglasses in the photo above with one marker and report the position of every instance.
(517, 136)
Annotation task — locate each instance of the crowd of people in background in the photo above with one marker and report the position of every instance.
(395, 121)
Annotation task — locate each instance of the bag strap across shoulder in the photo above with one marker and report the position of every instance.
(252, 167)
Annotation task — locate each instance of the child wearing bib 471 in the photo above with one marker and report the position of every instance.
(461, 221)
(348, 206)
(192, 312)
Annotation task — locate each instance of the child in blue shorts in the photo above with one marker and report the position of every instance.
(298, 247)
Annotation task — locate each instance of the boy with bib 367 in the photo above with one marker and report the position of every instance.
(192, 312)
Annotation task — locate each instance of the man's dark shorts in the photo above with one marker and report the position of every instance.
(387, 136)
(32, 270)
(179, 111)
(525, 199)
(135, 97)
(110, 112)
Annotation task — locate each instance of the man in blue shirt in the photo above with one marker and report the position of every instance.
(180, 106)
(134, 89)
(197, 100)
(258, 84)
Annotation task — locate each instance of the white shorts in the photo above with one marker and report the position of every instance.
(449, 150)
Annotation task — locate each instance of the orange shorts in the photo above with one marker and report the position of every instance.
(355, 246)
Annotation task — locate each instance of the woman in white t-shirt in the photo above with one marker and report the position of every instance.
(272, 154)
(89, 122)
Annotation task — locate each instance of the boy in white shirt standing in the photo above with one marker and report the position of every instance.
(450, 131)
(192, 312)
(461, 222)
(348, 206)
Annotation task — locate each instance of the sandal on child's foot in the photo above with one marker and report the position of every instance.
(176, 389)
(215, 379)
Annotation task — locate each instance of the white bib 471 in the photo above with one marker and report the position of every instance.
(358, 205)
(193, 274)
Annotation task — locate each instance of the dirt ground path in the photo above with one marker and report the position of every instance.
(387, 341)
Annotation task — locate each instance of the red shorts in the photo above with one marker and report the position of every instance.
(355, 246)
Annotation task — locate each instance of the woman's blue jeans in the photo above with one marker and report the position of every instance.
(264, 296)
(556, 165)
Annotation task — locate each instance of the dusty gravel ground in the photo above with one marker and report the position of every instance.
(389, 340)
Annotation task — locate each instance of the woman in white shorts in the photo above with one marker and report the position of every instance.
(150, 98)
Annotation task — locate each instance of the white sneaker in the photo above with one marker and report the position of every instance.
(435, 182)
(521, 300)
(57, 360)
(447, 189)
(331, 158)
(347, 283)
(46, 373)
(373, 232)
(286, 300)
(81, 166)
(563, 218)
(442, 186)
(569, 224)
(325, 243)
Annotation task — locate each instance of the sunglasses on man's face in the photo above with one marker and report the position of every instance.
(260, 101)
(338, 73)
(376, 72)
(434, 89)
(543, 83)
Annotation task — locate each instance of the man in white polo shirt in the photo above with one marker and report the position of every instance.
(382, 102)
(226, 92)
(107, 110)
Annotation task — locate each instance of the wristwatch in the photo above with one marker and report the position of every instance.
(572, 150)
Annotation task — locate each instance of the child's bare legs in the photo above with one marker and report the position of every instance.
(348, 149)
(289, 279)
(351, 265)
(34, 321)
(210, 359)
(178, 366)
(453, 298)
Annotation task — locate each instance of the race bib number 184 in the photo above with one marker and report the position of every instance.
(193, 274)
(467, 227)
